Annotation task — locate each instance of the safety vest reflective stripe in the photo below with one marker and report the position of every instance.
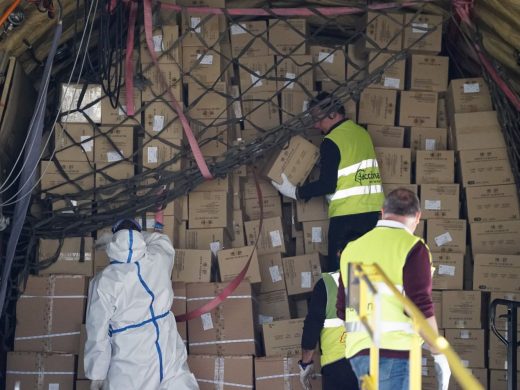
(370, 163)
(384, 327)
(382, 288)
(333, 323)
(359, 190)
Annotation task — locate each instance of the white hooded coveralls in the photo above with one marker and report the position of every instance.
(132, 339)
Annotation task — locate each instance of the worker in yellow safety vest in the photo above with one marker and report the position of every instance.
(349, 176)
(322, 323)
(406, 260)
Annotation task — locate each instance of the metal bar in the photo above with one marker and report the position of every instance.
(512, 326)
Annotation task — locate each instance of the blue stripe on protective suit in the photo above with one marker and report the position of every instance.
(138, 325)
(130, 249)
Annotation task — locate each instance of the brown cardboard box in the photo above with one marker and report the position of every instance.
(272, 207)
(429, 73)
(469, 344)
(283, 338)
(377, 106)
(249, 190)
(83, 385)
(40, 371)
(226, 330)
(463, 309)
(498, 353)
(386, 136)
(205, 65)
(198, 28)
(192, 265)
(257, 74)
(74, 142)
(315, 234)
(212, 239)
(157, 152)
(496, 272)
(300, 307)
(442, 113)
(481, 374)
(384, 31)
(287, 36)
(315, 209)
(440, 201)
(492, 203)
(210, 210)
(53, 181)
(75, 256)
(179, 308)
(260, 110)
(298, 68)
(160, 119)
(498, 380)
(477, 130)
(296, 160)
(282, 373)
(51, 305)
(107, 174)
(301, 273)
(329, 63)
(271, 239)
(238, 229)
(468, 95)
(419, 230)
(81, 352)
(273, 306)
(448, 273)
(394, 165)
(216, 184)
(206, 104)
(418, 109)
(293, 103)
(435, 167)
(393, 76)
(118, 115)
(271, 272)
(222, 372)
(155, 88)
(428, 138)
(437, 305)
(357, 60)
(249, 39)
(166, 45)
(70, 95)
(219, 136)
(423, 33)
(114, 144)
(447, 235)
(232, 261)
(501, 311)
(495, 237)
(484, 167)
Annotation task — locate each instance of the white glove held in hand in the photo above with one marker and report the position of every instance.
(442, 371)
(286, 188)
(306, 374)
(96, 385)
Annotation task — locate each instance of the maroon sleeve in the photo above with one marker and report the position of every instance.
(417, 279)
(340, 301)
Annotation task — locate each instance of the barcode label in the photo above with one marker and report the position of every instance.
(87, 145)
(114, 156)
(237, 29)
(316, 234)
(432, 204)
(265, 319)
(464, 334)
(207, 322)
(306, 280)
(158, 43)
(305, 105)
(206, 59)
(54, 386)
(194, 22)
(325, 57)
(391, 82)
(419, 28)
(214, 247)
(429, 144)
(255, 79)
(445, 269)
(152, 154)
(276, 239)
(158, 123)
(291, 76)
(471, 88)
(275, 273)
(443, 239)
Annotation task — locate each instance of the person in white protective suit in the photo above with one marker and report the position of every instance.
(132, 339)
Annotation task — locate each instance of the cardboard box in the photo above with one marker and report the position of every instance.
(428, 73)
(162, 152)
(213, 138)
(423, 33)
(440, 201)
(206, 104)
(179, 308)
(114, 144)
(51, 305)
(298, 68)
(257, 74)
(435, 167)
(119, 115)
(226, 330)
(442, 113)
(377, 106)
(106, 175)
(477, 130)
(74, 142)
(155, 87)
(212, 239)
(492, 203)
(357, 60)
(273, 306)
(496, 272)
(249, 39)
(469, 344)
(449, 269)
(260, 110)
(53, 181)
(222, 372)
(394, 165)
(210, 210)
(283, 338)
(287, 36)
(447, 235)
(83, 385)
(393, 76)
(282, 373)
(301, 273)
(419, 230)
(481, 374)
(293, 103)
(498, 353)
(69, 103)
(271, 237)
(249, 190)
(495, 237)
(484, 167)
(162, 120)
(218, 184)
(206, 65)
(463, 309)
(384, 31)
(296, 160)
(232, 261)
(238, 230)
(428, 138)
(192, 265)
(272, 207)
(315, 235)
(271, 272)
(501, 311)
(437, 305)
(498, 380)
(386, 136)
(315, 209)
(418, 109)
(199, 28)
(468, 95)
(40, 371)
(329, 63)
(75, 256)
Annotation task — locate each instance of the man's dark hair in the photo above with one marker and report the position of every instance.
(327, 103)
(128, 224)
(402, 201)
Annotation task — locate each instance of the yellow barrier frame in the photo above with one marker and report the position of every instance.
(367, 275)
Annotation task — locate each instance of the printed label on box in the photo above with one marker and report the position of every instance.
(443, 239)
(464, 334)
(432, 204)
(54, 386)
(194, 23)
(326, 57)
(471, 88)
(237, 29)
(255, 79)
(306, 280)
(207, 59)
(289, 84)
(429, 144)
(121, 110)
(214, 247)
(419, 28)
(276, 239)
(152, 154)
(158, 43)
(275, 273)
(114, 156)
(445, 269)
(87, 145)
(316, 234)
(207, 322)
(158, 122)
(424, 371)
(391, 82)
(305, 105)
(465, 363)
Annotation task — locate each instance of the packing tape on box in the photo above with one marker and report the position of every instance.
(230, 297)
(223, 342)
(231, 384)
(46, 335)
(218, 376)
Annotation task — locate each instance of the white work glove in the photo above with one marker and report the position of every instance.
(442, 371)
(286, 188)
(96, 385)
(306, 374)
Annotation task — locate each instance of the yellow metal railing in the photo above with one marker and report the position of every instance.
(369, 275)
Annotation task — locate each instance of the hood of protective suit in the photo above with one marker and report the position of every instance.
(126, 246)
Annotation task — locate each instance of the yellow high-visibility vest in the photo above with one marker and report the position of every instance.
(332, 336)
